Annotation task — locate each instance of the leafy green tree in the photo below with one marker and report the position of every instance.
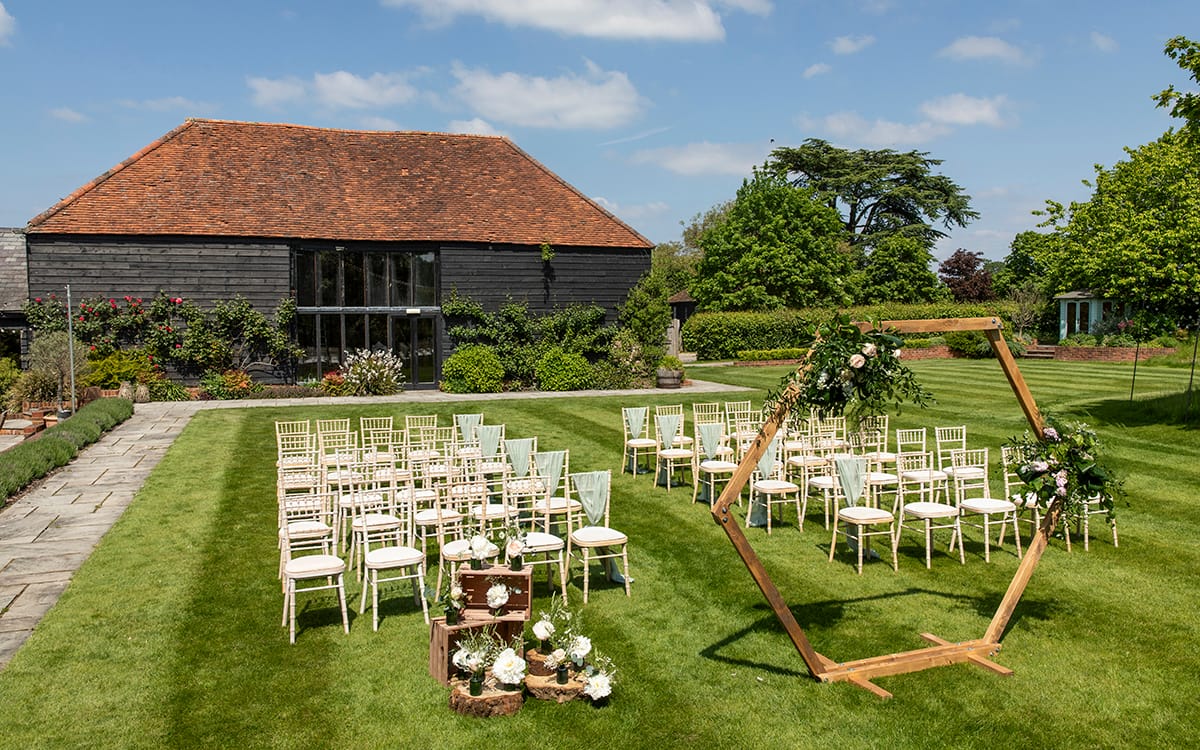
(675, 264)
(59, 358)
(776, 247)
(877, 193)
(1186, 104)
(897, 270)
(1135, 239)
(1021, 265)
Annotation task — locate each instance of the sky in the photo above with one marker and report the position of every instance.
(656, 109)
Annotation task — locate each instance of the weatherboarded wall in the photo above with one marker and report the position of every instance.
(13, 288)
(203, 271)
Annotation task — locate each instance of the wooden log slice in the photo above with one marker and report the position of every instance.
(548, 689)
(493, 701)
(535, 663)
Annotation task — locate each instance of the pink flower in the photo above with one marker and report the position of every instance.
(857, 360)
(37, 299)
(127, 298)
(179, 346)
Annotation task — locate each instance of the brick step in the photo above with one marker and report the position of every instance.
(1040, 352)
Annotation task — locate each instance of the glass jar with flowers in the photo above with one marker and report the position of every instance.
(476, 652)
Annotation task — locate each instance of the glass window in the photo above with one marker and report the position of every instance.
(426, 349)
(400, 285)
(306, 338)
(327, 263)
(425, 278)
(356, 333)
(1071, 313)
(331, 342)
(306, 278)
(1084, 316)
(377, 332)
(377, 279)
(353, 279)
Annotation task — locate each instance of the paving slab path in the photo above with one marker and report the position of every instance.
(47, 534)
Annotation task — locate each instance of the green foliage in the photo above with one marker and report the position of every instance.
(897, 270)
(228, 384)
(1134, 240)
(1021, 266)
(776, 247)
(9, 374)
(122, 366)
(162, 389)
(849, 370)
(1185, 105)
(1063, 465)
(57, 356)
(559, 370)
(878, 193)
(31, 386)
(645, 316)
(1078, 339)
(721, 335)
(768, 355)
(971, 344)
(373, 373)
(34, 458)
(473, 369)
(630, 356)
(608, 375)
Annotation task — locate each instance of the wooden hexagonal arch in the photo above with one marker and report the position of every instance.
(862, 671)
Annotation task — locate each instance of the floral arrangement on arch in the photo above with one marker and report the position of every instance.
(1064, 465)
(850, 370)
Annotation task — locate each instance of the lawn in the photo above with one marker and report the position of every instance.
(169, 635)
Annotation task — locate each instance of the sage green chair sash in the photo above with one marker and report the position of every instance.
(710, 439)
(466, 425)
(668, 428)
(489, 439)
(518, 450)
(549, 467)
(635, 419)
(766, 464)
(593, 487)
(852, 473)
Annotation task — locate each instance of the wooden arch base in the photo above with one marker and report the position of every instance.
(942, 652)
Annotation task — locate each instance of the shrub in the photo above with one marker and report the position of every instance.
(230, 384)
(9, 374)
(373, 373)
(1078, 339)
(917, 343)
(766, 355)
(334, 384)
(609, 376)
(32, 385)
(473, 369)
(291, 391)
(563, 371)
(162, 389)
(1119, 339)
(121, 366)
(721, 335)
(36, 457)
(971, 344)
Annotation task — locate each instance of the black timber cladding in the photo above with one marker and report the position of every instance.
(200, 270)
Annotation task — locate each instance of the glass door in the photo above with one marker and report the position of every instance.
(414, 340)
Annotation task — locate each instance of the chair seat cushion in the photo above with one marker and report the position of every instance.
(597, 536)
(675, 453)
(881, 477)
(493, 467)
(775, 486)
(924, 476)
(393, 557)
(640, 443)
(823, 482)
(537, 541)
(964, 472)
(557, 505)
(863, 514)
(375, 521)
(429, 516)
(306, 530)
(987, 505)
(717, 466)
(930, 510)
(490, 510)
(314, 566)
(885, 457)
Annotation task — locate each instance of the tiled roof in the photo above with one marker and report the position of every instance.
(239, 179)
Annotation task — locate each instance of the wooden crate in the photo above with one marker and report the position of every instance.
(443, 638)
(475, 584)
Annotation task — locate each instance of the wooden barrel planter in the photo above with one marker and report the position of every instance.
(669, 378)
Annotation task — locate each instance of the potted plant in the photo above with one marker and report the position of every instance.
(670, 372)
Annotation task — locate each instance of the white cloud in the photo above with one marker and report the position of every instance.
(984, 48)
(474, 126)
(267, 92)
(8, 25)
(1103, 42)
(168, 104)
(848, 45)
(66, 114)
(690, 20)
(337, 90)
(705, 158)
(960, 109)
(817, 69)
(597, 99)
(346, 90)
(854, 128)
(636, 136)
(635, 211)
(373, 122)
(877, 7)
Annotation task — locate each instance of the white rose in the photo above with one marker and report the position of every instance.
(558, 656)
(869, 350)
(479, 546)
(460, 659)
(581, 646)
(543, 629)
(514, 547)
(857, 360)
(497, 596)
(896, 353)
(598, 686)
(457, 593)
(508, 667)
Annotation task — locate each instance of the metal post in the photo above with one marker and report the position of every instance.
(71, 347)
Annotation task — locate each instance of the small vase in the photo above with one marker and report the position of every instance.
(476, 684)
(560, 674)
(516, 563)
(476, 563)
(543, 647)
(451, 615)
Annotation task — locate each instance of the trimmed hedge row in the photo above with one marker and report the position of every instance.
(722, 335)
(36, 457)
(770, 355)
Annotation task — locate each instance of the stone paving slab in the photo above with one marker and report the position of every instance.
(52, 529)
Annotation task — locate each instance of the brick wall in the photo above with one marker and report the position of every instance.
(1106, 353)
